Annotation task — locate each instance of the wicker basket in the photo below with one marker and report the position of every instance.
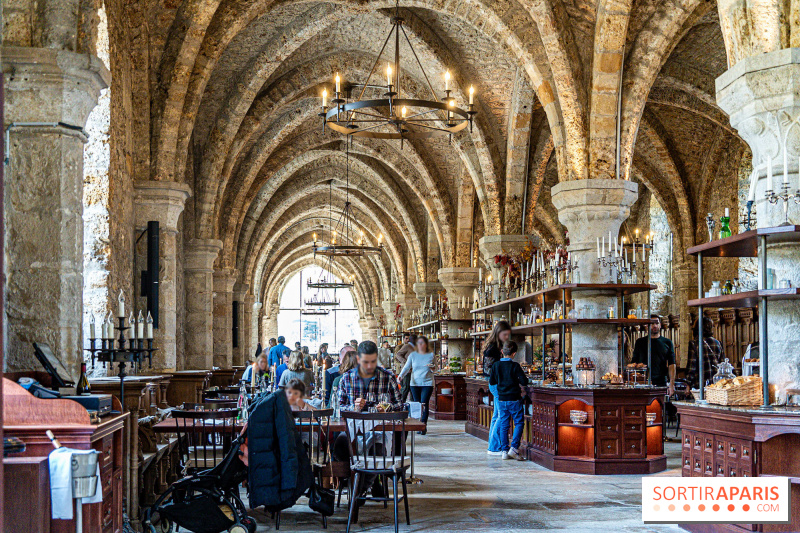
(749, 393)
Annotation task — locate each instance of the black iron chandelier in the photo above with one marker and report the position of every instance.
(394, 117)
(328, 281)
(321, 299)
(344, 237)
(314, 312)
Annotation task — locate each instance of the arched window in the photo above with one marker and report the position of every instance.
(336, 328)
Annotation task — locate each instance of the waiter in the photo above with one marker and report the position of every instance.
(662, 356)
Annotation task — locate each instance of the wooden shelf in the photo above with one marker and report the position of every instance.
(458, 339)
(745, 299)
(571, 425)
(480, 333)
(439, 321)
(554, 293)
(445, 395)
(528, 328)
(424, 324)
(745, 244)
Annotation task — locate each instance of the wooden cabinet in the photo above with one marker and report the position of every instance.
(27, 418)
(723, 441)
(450, 406)
(187, 386)
(30, 514)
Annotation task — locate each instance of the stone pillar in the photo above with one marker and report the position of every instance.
(424, 290)
(493, 245)
(270, 323)
(388, 312)
(408, 305)
(684, 277)
(256, 334)
(240, 351)
(762, 96)
(590, 209)
(247, 348)
(223, 317)
(372, 332)
(198, 280)
(163, 201)
(459, 282)
(44, 199)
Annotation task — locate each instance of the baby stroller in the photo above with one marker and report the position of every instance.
(205, 502)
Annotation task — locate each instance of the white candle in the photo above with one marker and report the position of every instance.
(324, 99)
(603, 247)
(389, 74)
(634, 250)
(149, 332)
(609, 243)
(471, 94)
(121, 302)
(785, 168)
(480, 275)
(140, 326)
(727, 212)
(338, 83)
(598, 247)
(616, 248)
(447, 80)
(132, 323)
(91, 328)
(753, 181)
(770, 183)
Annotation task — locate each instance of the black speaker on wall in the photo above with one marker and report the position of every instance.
(150, 276)
(235, 331)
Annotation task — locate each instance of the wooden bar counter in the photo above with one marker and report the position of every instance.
(450, 406)
(615, 439)
(742, 442)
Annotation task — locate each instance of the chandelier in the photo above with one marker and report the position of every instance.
(321, 299)
(394, 117)
(314, 312)
(344, 239)
(327, 281)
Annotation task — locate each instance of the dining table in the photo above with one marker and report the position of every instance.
(412, 426)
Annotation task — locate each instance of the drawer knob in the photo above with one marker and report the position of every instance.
(633, 446)
(608, 447)
(609, 428)
(719, 447)
(733, 449)
(745, 452)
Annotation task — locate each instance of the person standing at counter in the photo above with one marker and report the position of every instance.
(400, 357)
(712, 355)
(662, 356)
(509, 378)
(419, 364)
(491, 354)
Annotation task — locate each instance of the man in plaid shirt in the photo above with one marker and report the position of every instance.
(712, 355)
(368, 384)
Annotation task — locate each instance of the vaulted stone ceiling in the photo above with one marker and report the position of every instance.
(235, 98)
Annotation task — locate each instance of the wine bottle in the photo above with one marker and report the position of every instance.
(83, 386)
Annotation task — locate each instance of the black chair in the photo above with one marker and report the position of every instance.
(372, 456)
(204, 437)
(315, 431)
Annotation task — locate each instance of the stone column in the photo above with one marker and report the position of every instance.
(590, 209)
(388, 312)
(424, 290)
(256, 335)
(44, 199)
(270, 323)
(163, 201)
(372, 328)
(223, 319)
(247, 347)
(198, 280)
(408, 305)
(240, 351)
(493, 245)
(459, 282)
(762, 96)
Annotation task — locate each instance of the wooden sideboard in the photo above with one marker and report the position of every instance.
(721, 441)
(187, 386)
(221, 377)
(31, 514)
(27, 418)
(615, 439)
(451, 406)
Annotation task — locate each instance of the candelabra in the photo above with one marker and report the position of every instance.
(134, 353)
(784, 196)
(747, 219)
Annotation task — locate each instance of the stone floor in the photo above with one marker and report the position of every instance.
(465, 490)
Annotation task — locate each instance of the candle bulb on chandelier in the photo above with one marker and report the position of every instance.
(324, 98)
(132, 323)
(121, 303)
(140, 326)
(403, 112)
(471, 94)
(338, 83)
(447, 80)
(770, 183)
(149, 331)
(91, 328)
(389, 75)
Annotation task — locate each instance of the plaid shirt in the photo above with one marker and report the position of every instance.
(712, 356)
(351, 387)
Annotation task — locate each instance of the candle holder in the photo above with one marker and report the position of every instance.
(135, 353)
(710, 225)
(783, 196)
(747, 219)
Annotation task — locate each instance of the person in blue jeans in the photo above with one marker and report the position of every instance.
(509, 377)
(491, 354)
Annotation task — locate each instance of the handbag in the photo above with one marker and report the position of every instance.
(321, 500)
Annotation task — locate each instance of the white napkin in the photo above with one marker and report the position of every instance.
(415, 410)
(60, 462)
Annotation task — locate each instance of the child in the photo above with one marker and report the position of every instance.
(508, 376)
(295, 390)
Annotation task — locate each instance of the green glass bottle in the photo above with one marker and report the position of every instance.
(725, 228)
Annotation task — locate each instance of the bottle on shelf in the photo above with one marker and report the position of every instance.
(725, 224)
(83, 387)
(728, 289)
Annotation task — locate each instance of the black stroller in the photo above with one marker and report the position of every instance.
(204, 502)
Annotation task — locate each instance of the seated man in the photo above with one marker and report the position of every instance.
(368, 384)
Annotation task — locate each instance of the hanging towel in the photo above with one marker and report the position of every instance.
(60, 462)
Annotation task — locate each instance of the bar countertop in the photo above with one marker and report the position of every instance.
(779, 410)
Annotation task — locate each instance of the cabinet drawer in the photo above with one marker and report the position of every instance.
(633, 412)
(608, 412)
(106, 449)
(708, 467)
(632, 426)
(688, 436)
(632, 447)
(720, 445)
(106, 481)
(608, 425)
(108, 512)
(608, 448)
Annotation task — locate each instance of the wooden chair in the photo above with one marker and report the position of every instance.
(315, 431)
(371, 455)
(204, 437)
